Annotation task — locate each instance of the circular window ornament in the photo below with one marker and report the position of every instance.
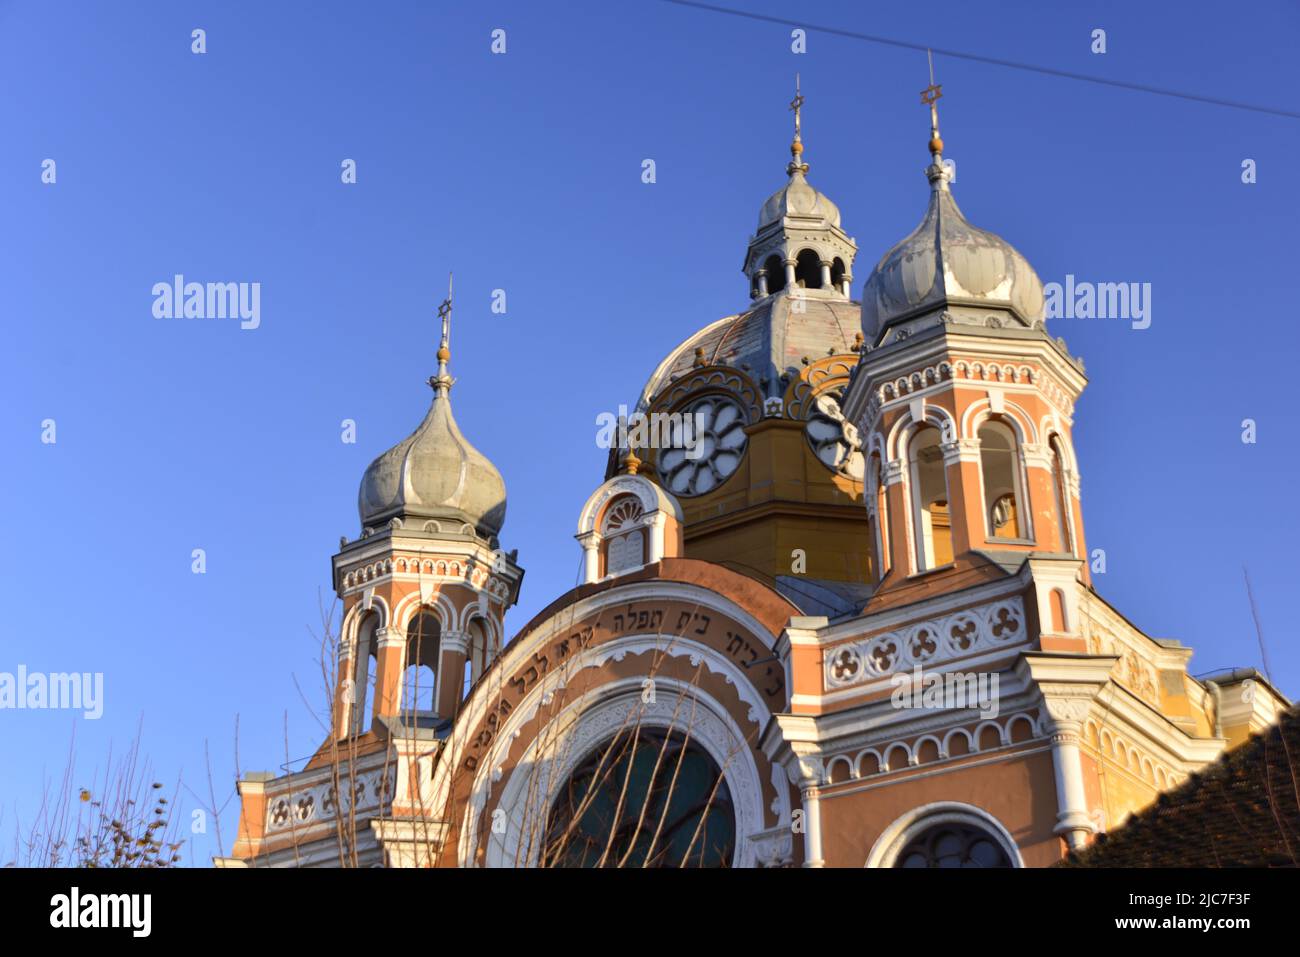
(834, 439)
(718, 431)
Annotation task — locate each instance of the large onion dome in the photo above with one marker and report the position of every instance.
(947, 268)
(434, 479)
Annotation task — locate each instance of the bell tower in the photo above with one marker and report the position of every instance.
(965, 406)
(799, 244)
(426, 586)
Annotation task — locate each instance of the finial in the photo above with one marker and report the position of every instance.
(631, 463)
(442, 382)
(796, 145)
(930, 97)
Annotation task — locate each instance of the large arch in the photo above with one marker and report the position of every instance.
(571, 737)
(588, 652)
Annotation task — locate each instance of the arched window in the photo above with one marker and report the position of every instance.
(1060, 623)
(624, 535)
(930, 515)
(419, 679)
(1003, 511)
(876, 487)
(808, 269)
(477, 655)
(361, 712)
(953, 845)
(775, 270)
(646, 798)
(837, 272)
(1061, 496)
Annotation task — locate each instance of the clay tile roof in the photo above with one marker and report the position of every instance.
(1241, 811)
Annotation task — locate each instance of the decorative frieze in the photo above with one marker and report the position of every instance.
(477, 575)
(927, 643)
(369, 790)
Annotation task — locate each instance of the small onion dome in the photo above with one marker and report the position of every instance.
(947, 261)
(800, 199)
(436, 474)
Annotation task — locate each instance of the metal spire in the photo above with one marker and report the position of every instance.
(930, 97)
(442, 382)
(796, 145)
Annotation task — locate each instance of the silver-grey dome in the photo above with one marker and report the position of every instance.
(947, 261)
(766, 341)
(434, 474)
(798, 198)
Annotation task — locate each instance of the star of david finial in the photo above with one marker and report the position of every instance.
(930, 96)
(442, 381)
(797, 165)
(932, 92)
(444, 313)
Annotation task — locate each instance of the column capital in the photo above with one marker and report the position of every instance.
(455, 641)
(1037, 455)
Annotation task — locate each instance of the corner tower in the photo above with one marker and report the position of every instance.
(426, 586)
(966, 407)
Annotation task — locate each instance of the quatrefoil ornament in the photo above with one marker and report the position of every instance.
(845, 665)
(1005, 624)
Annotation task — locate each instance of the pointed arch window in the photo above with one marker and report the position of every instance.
(930, 514)
(1000, 470)
(419, 679)
(1061, 497)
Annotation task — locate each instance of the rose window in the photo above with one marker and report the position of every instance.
(719, 440)
(834, 439)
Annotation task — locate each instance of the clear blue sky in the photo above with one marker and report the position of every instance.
(522, 172)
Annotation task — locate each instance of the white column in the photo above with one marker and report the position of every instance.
(826, 275)
(1072, 820)
(590, 542)
(812, 822)
(789, 273)
(655, 529)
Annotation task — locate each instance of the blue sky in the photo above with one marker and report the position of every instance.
(523, 172)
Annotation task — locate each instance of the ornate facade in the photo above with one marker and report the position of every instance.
(850, 622)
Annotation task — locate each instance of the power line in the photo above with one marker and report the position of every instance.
(993, 61)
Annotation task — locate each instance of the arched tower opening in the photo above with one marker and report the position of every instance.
(808, 269)
(419, 676)
(774, 274)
